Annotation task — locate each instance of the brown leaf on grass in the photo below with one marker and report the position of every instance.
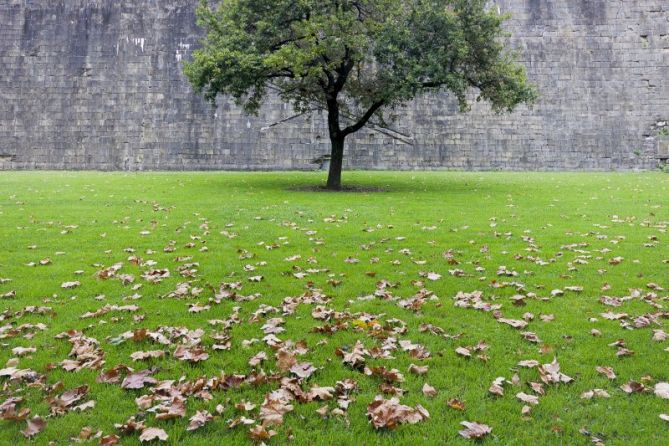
(530, 336)
(245, 406)
(70, 285)
(62, 404)
(496, 388)
(15, 374)
(594, 439)
(156, 275)
(515, 323)
(257, 359)
(274, 406)
(153, 433)
(190, 354)
(113, 376)
(109, 308)
(320, 393)
(144, 402)
(528, 363)
(390, 413)
(390, 376)
(429, 391)
(285, 360)
(456, 404)
(175, 408)
(356, 357)
(138, 380)
(85, 352)
(538, 388)
(600, 393)
(106, 273)
(474, 431)
(152, 354)
(239, 421)
(550, 373)
(85, 406)
(662, 390)
(611, 302)
(606, 371)
(8, 410)
(303, 370)
(633, 387)
(259, 434)
(198, 420)
(418, 369)
(388, 389)
(659, 335)
(109, 440)
(34, 426)
(614, 316)
(131, 426)
(198, 308)
(416, 351)
(462, 351)
(529, 399)
(8, 295)
(622, 351)
(22, 351)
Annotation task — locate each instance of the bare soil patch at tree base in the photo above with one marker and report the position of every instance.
(347, 188)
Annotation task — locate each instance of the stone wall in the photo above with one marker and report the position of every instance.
(97, 84)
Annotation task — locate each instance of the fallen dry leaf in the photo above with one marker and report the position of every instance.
(529, 399)
(303, 370)
(70, 285)
(388, 414)
(496, 388)
(34, 426)
(662, 390)
(198, 420)
(606, 371)
(153, 354)
(418, 369)
(474, 431)
(456, 404)
(429, 391)
(138, 380)
(600, 393)
(633, 387)
(550, 373)
(260, 434)
(153, 433)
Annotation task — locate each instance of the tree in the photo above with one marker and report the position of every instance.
(354, 58)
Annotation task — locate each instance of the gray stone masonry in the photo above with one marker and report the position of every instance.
(98, 84)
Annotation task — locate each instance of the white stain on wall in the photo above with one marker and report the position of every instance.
(182, 49)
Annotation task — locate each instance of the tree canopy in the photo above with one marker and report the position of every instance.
(354, 58)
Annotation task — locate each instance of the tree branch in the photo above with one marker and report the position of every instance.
(432, 84)
(267, 127)
(404, 138)
(363, 120)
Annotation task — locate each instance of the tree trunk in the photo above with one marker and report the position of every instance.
(337, 157)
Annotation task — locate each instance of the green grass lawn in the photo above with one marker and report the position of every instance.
(603, 232)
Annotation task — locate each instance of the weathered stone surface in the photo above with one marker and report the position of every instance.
(97, 84)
